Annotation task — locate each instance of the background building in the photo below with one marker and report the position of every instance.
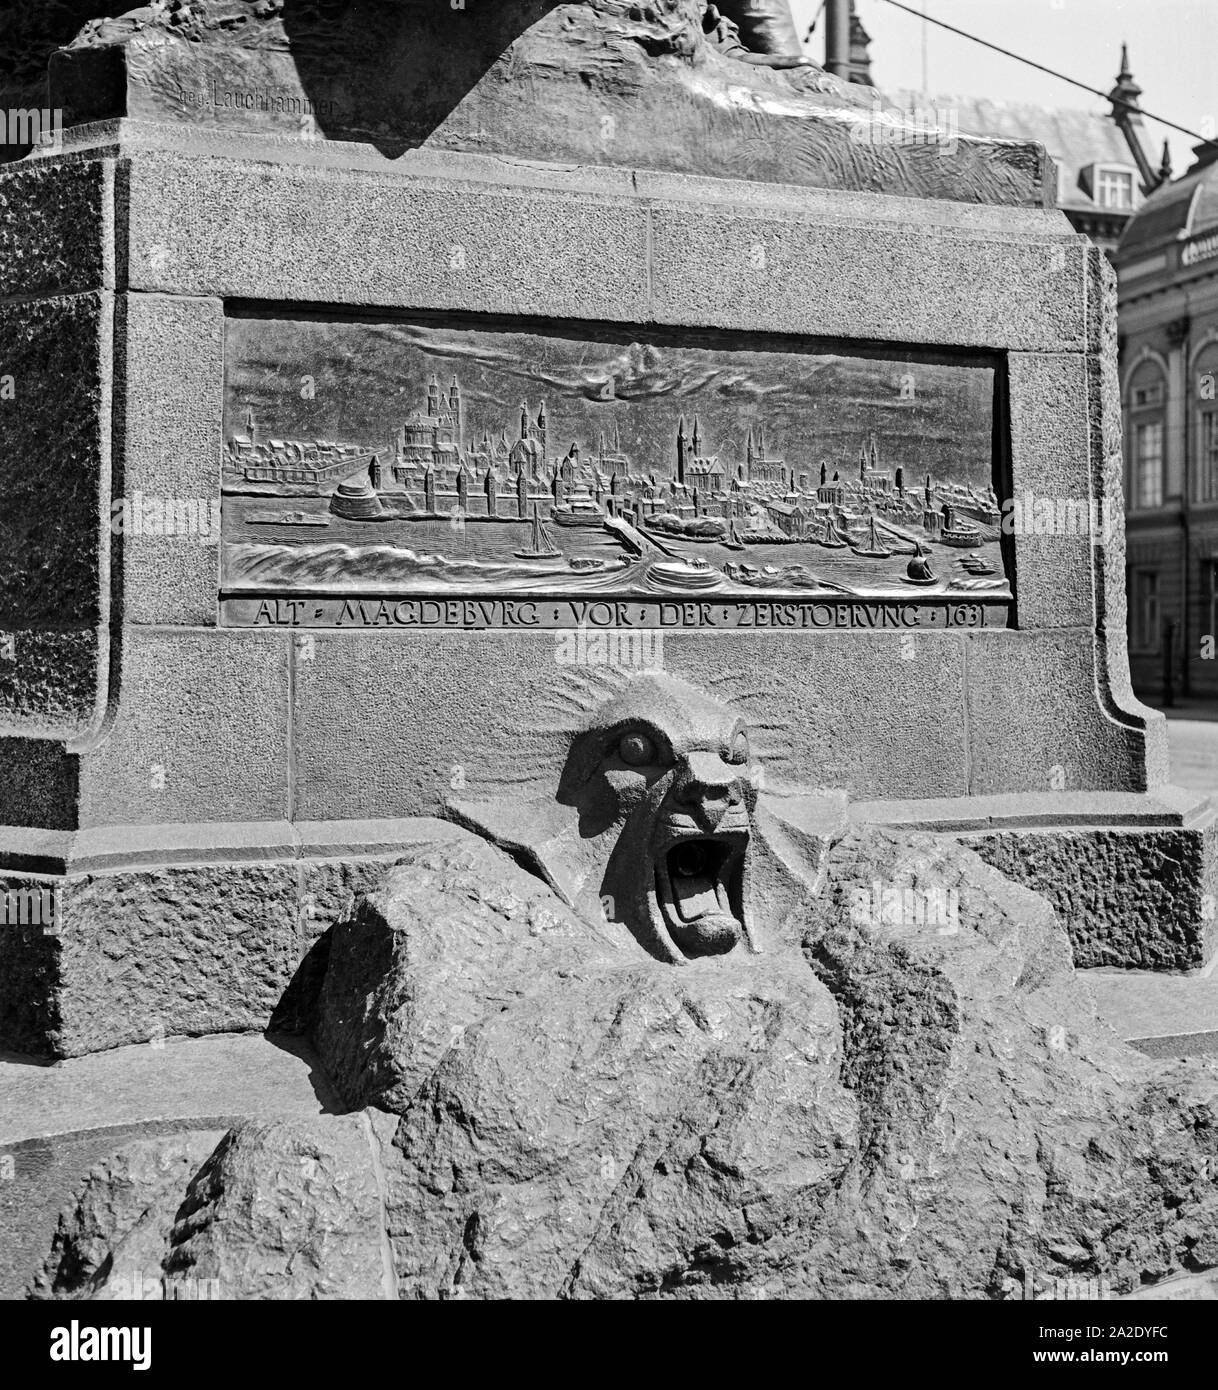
(1163, 238)
(1105, 168)
(1168, 272)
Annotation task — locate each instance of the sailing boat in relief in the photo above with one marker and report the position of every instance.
(542, 546)
(919, 570)
(873, 549)
(831, 537)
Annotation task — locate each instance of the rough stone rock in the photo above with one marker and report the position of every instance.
(1007, 1135)
(1004, 1135)
(457, 929)
(114, 1231)
(909, 1096)
(282, 1210)
(1179, 1289)
(622, 1132)
(287, 1211)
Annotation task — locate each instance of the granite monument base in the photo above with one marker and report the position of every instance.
(197, 759)
(554, 634)
(137, 934)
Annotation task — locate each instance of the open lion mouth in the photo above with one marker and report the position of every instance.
(700, 891)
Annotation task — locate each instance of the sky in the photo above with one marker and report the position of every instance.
(357, 382)
(1173, 49)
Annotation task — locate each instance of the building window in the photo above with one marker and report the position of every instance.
(1144, 611)
(1212, 630)
(1148, 464)
(1207, 461)
(1204, 445)
(1114, 189)
(1146, 412)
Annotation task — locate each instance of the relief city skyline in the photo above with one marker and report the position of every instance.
(409, 457)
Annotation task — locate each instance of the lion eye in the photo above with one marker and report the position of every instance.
(738, 750)
(637, 750)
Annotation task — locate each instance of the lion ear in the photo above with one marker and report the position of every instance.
(798, 830)
(537, 832)
(585, 755)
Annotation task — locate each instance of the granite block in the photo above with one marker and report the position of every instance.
(56, 227)
(1141, 899)
(55, 398)
(200, 733)
(1036, 722)
(165, 510)
(460, 247)
(827, 277)
(395, 724)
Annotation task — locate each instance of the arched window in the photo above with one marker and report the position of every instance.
(1146, 411)
(1205, 448)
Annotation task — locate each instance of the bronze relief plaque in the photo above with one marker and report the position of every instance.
(455, 473)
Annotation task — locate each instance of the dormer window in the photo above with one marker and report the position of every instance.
(1108, 185)
(1114, 188)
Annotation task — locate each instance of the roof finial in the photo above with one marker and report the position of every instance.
(1126, 92)
(1128, 116)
